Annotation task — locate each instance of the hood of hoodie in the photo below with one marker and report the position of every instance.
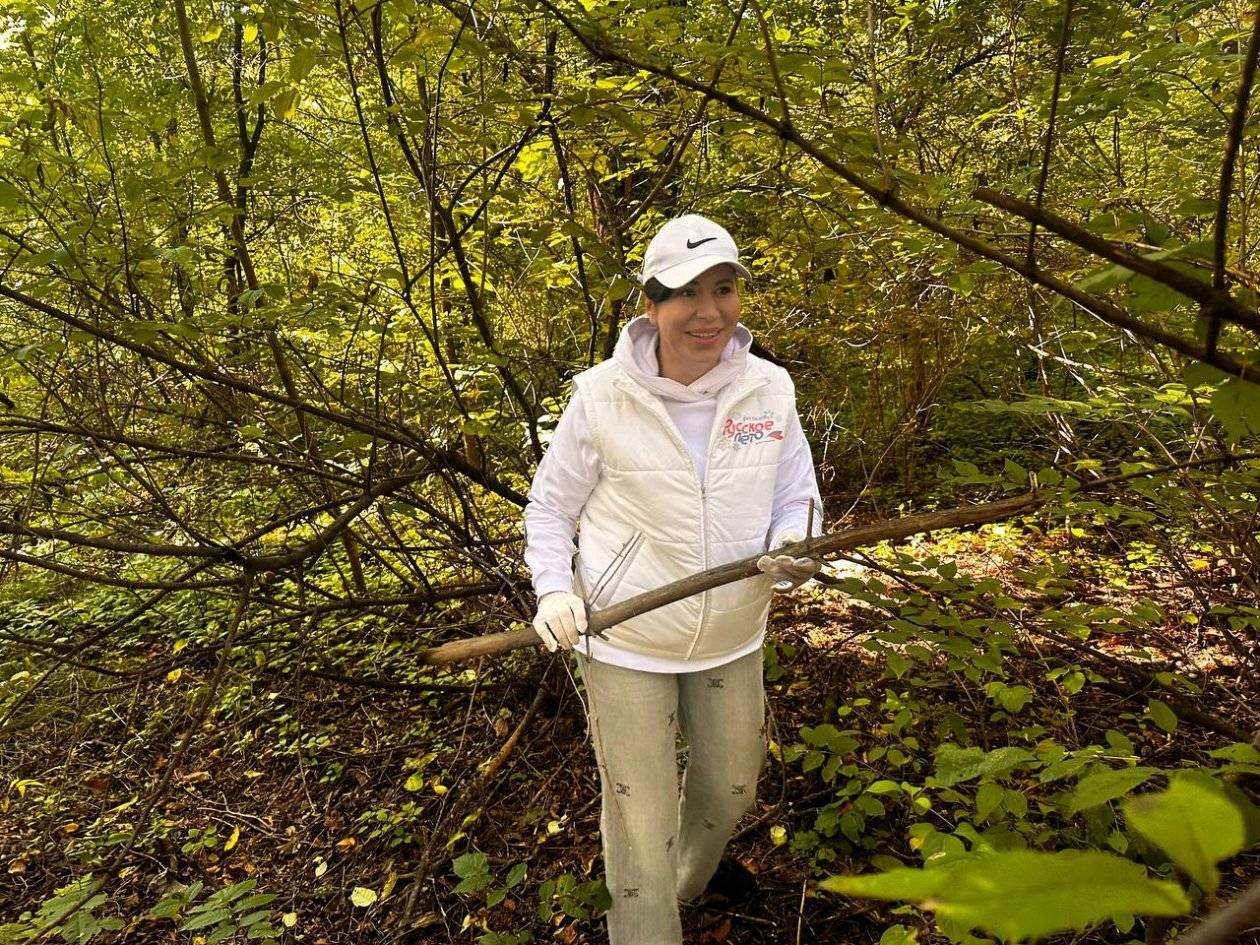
(636, 355)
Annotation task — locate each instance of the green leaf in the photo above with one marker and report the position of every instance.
(203, 919)
(899, 935)
(884, 787)
(1022, 894)
(303, 61)
(1151, 296)
(1194, 822)
(1162, 715)
(363, 897)
(1198, 374)
(10, 195)
(515, 875)
(1107, 786)
(1238, 751)
(897, 663)
(988, 798)
(1014, 698)
(474, 872)
(956, 765)
(1104, 279)
(1236, 404)
(474, 883)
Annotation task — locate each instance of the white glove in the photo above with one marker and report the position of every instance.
(789, 573)
(561, 617)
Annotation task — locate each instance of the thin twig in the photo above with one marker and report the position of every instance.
(1064, 32)
(1233, 143)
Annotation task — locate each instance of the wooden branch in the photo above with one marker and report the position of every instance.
(888, 199)
(772, 60)
(372, 682)
(681, 146)
(237, 226)
(823, 546)
(450, 459)
(1060, 57)
(323, 539)
(872, 68)
(110, 579)
(123, 546)
(1233, 143)
(819, 547)
(1217, 300)
(1228, 923)
(227, 452)
(485, 776)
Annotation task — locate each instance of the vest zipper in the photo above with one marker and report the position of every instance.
(704, 552)
(704, 506)
(663, 415)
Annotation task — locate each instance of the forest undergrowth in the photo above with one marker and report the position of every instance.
(314, 802)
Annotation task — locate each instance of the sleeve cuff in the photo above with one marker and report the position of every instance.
(547, 583)
(786, 536)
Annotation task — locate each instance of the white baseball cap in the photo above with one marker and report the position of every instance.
(685, 247)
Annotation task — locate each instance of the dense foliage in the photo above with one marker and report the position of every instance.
(289, 298)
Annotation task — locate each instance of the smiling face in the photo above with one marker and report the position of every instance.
(695, 323)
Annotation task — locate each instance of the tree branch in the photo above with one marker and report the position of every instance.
(822, 546)
(1195, 289)
(886, 198)
(1060, 57)
(1236, 124)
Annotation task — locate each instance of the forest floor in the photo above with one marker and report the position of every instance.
(316, 788)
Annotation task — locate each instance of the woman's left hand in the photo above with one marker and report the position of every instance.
(788, 572)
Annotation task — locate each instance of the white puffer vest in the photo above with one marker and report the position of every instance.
(650, 504)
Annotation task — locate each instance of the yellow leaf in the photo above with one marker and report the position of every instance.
(233, 839)
(251, 34)
(210, 35)
(173, 676)
(286, 103)
(390, 882)
(778, 835)
(363, 897)
(288, 920)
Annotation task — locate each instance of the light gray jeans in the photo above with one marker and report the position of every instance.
(661, 845)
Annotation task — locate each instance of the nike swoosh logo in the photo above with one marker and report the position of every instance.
(707, 239)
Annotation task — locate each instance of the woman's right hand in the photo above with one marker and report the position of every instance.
(561, 618)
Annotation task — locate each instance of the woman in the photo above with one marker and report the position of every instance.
(682, 452)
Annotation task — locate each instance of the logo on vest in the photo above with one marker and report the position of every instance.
(740, 431)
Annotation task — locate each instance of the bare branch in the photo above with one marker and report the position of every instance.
(1237, 122)
(886, 198)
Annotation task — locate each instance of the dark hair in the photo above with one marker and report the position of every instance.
(656, 290)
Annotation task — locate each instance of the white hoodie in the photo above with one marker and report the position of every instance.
(571, 469)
